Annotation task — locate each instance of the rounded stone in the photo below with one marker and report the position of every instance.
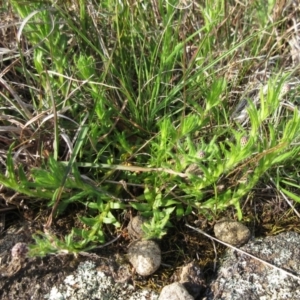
(19, 251)
(175, 291)
(134, 227)
(232, 232)
(145, 256)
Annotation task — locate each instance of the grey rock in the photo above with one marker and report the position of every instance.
(19, 251)
(243, 277)
(145, 256)
(232, 232)
(175, 291)
(89, 283)
(191, 277)
(134, 227)
(13, 250)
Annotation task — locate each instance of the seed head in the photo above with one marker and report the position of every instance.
(201, 154)
(244, 140)
(284, 90)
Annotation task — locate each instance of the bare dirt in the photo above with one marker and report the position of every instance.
(33, 278)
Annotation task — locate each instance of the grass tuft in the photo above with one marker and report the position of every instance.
(132, 106)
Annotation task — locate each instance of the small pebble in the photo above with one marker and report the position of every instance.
(192, 279)
(232, 232)
(145, 256)
(175, 291)
(134, 227)
(19, 251)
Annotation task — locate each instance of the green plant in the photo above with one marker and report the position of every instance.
(115, 91)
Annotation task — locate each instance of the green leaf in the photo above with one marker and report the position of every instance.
(85, 66)
(290, 194)
(88, 221)
(179, 211)
(214, 95)
(157, 202)
(149, 194)
(117, 205)
(143, 207)
(10, 167)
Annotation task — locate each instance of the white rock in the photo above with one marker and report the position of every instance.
(175, 291)
(232, 232)
(145, 256)
(87, 282)
(243, 277)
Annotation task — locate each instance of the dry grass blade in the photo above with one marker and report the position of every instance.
(135, 169)
(22, 106)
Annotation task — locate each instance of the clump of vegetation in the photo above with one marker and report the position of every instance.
(118, 106)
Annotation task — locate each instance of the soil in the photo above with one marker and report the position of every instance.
(33, 278)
